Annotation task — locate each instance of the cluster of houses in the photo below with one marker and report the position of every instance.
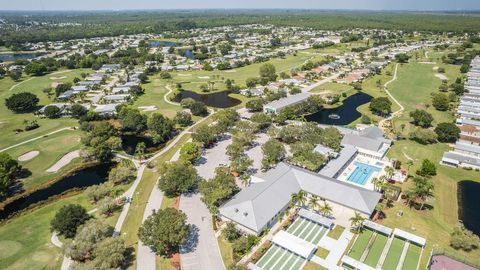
(466, 152)
(258, 206)
(95, 92)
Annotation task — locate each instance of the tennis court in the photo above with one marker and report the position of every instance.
(307, 230)
(393, 255)
(362, 173)
(278, 258)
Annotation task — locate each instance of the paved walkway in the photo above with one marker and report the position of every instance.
(165, 97)
(336, 248)
(385, 86)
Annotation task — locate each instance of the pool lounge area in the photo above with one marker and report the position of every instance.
(362, 173)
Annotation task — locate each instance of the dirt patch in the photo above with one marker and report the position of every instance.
(441, 76)
(64, 161)
(148, 108)
(435, 68)
(58, 78)
(28, 156)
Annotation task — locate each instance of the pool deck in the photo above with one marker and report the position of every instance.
(367, 161)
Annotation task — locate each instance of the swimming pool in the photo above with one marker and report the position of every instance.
(362, 173)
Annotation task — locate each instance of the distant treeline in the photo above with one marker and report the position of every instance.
(95, 24)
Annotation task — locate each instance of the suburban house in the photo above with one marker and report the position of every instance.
(258, 206)
(278, 105)
(369, 142)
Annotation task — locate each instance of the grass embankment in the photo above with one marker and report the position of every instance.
(412, 89)
(140, 199)
(10, 121)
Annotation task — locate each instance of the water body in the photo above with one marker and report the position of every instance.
(468, 201)
(16, 56)
(217, 100)
(189, 54)
(342, 115)
(129, 143)
(162, 43)
(87, 177)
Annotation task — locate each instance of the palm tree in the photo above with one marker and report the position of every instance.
(376, 183)
(313, 202)
(357, 221)
(389, 171)
(326, 209)
(245, 179)
(299, 198)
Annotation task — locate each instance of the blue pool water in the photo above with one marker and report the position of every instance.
(362, 173)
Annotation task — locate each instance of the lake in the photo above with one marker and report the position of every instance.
(162, 43)
(217, 99)
(342, 115)
(16, 56)
(468, 194)
(129, 143)
(84, 178)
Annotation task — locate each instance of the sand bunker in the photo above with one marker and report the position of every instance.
(28, 155)
(204, 77)
(58, 78)
(441, 76)
(64, 161)
(148, 108)
(230, 71)
(435, 68)
(184, 75)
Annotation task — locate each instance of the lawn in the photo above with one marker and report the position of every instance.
(412, 257)
(225, 250)
(140, 198)
(10, 121)
(376, 250)
(360, 244)
(51, 149)
(393, 255)
(336, 232)
(322, 253)
(313, 266)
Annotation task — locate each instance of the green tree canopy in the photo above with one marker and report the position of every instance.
(68, 219)
(161, 127)
(381, 106)
(447, 132)
(421, 118)
(177, 177)
(9, 169)
(22, 102)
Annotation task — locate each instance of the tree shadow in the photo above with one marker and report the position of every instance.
(192, 241)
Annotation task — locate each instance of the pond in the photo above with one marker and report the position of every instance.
(129, 143)
(16, 56)
(468, 194)
(217, 100)
(84, 178)
(162, 43)
(342, 115)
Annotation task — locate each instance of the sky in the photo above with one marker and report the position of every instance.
(239, 4)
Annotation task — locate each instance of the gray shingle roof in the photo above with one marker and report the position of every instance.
(257, 204)
(287, 101)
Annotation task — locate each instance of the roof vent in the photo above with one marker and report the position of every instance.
(245, 213)
(236, 210)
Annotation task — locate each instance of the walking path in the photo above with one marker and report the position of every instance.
(36, 138)
(170, 90)
(385, 86)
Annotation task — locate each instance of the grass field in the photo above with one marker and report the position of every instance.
(51, 149)
(376, 250)
(226, 250)
(10, 121)
(393, 255)
(360, 244)
(336, 232)
(412, 257)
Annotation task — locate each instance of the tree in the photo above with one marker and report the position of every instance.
(254, 105)
(273, 152)
(218, 189)
(165, 75)
(198, 109)
(261, 119)
(107, 206)
(402, 58)
(204, 134)
(447, 132)
(9, 170)
(161, 127)
(22, 102)
(97, 192)
(423, 136)
(267, 72)
(124, 172)
(463, 239)
(427, 169)
(422, 189)
(357, 221)
(421, 118)
(35, 68)
(15, 75)
(304, 156)
(165, 231)
(326, 209)
(231, 233)
(241, 164)
(187, 102)
(88, 236)
(61, 88)
(440, 101)
(68, 219)
(101, 139)
(251, 82)
(299, 198)
(190, 152)
(78, 111)
(183, 118)
(52, 111)
(132, 120)
(313, 202)
(177, 177)
(381, 106)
